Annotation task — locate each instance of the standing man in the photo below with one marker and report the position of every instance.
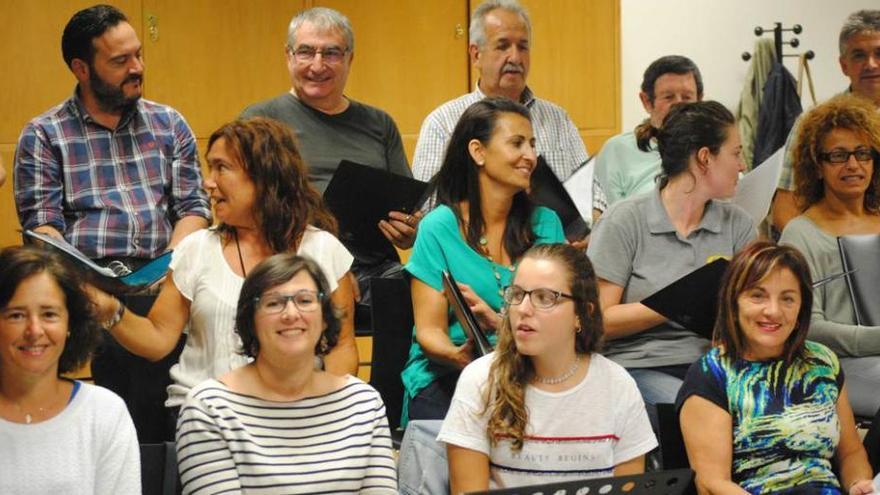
(860, 62)
(115, 175)
(500, 40)
(332, 127)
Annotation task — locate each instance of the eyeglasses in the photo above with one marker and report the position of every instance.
(540, 298)
(304, 300)
(862, 155)
(331, 54)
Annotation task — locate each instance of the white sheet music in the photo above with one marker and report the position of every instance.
(755, 190)
(580, 187)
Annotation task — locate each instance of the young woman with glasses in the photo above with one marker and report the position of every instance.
(838, 189)
(278, 424)
(545, 406)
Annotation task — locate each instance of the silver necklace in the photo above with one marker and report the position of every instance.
(553, 380)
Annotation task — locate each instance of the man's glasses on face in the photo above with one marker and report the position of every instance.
(304, 300)
(330, 54)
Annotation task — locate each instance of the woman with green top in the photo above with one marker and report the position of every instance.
(482, 226)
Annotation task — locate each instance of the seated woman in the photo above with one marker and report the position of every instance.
(765, 410)
(278, 424)
(644, 243)
(261, 196)
(483, 224)
(56, 435)
(628, 163)
(838, 187)
(545, 406)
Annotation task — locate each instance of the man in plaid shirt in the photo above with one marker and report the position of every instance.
(115, 175)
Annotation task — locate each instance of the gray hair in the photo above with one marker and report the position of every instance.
(858, 22)
(325, 20)
(477, 31)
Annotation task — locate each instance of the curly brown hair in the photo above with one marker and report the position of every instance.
(288, 202)
(841, 112)
(511, 371)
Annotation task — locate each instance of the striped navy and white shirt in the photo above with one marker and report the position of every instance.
(339, 442)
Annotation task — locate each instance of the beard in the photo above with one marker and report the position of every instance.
(112, 98)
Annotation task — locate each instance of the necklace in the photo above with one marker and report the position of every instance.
(238, 248)
(553, 380)
(484, 248)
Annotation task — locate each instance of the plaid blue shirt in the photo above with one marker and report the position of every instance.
(110, 192)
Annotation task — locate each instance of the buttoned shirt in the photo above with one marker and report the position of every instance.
(556, 137)
(110, 192)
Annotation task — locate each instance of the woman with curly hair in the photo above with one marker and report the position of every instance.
(265, 205)
(545, 405)
(838, 190)
(56, 435)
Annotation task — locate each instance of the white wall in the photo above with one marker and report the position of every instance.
(714, 33)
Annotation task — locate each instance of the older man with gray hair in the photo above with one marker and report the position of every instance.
(500, 43)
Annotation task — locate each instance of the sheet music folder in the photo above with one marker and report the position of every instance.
(360, 196)
(860, 255)
(548, 191)
(465, 316)
(105, 278)
(671, 482)
(692, 300)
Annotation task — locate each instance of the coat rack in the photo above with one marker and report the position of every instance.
(778, 42)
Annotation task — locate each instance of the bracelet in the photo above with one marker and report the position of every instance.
(117, 316)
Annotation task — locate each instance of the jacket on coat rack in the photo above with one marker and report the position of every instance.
(779, 110)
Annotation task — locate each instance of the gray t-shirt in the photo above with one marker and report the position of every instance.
(636, 247)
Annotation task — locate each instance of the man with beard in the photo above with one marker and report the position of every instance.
(500, 38)
(116, 176)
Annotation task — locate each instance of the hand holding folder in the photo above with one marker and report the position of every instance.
(465, 316)
(692, 300)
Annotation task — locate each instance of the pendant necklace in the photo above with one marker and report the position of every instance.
(561, 378)
(240, 258)
(484, 248)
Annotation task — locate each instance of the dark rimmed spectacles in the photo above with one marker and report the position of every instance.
(331, 54)
(541, 298)
(863, 155)
(304, 300)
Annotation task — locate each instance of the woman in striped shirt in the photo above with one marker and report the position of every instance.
(278, 424)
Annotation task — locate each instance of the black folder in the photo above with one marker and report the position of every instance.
(860, 255)
(105, 278)
(360, 196)
(672, 482)
(692, 300)
(465, 316)
(548, 191)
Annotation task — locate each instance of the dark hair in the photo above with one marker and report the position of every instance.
(511, 371)
(746, 270)
(841, 112)
(670, 64)
(271, 272)
(85, 26)
(458, 178)
(287, 202)
(19, 263)
(686, 129)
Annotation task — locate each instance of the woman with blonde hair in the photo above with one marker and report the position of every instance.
(545, 405)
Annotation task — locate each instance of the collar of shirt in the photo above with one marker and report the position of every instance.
(659, 223)
(76, 107)
(527, 98)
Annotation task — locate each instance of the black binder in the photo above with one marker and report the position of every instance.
(360, 196)
(672, 482)
(860, 255)
(463, 313)
(692, 300)
(548, 191)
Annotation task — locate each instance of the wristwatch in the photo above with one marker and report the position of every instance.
(117, 316)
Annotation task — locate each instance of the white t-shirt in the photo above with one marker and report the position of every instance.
(582, 432)
(203, 276)
(89, 447)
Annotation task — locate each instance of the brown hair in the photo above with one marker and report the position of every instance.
(287, 202)
(841, 112)
(747, 269)
(511, 371)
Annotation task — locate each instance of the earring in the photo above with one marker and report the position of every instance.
(323, 346)
(578, 329)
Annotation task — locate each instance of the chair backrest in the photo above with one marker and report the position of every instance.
(392, 324)
(159, 469)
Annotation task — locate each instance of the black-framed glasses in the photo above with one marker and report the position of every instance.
(541, 298)
(304, 300)
(863, 155)
(330, 54)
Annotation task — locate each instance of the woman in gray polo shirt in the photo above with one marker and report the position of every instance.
(644, 243)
